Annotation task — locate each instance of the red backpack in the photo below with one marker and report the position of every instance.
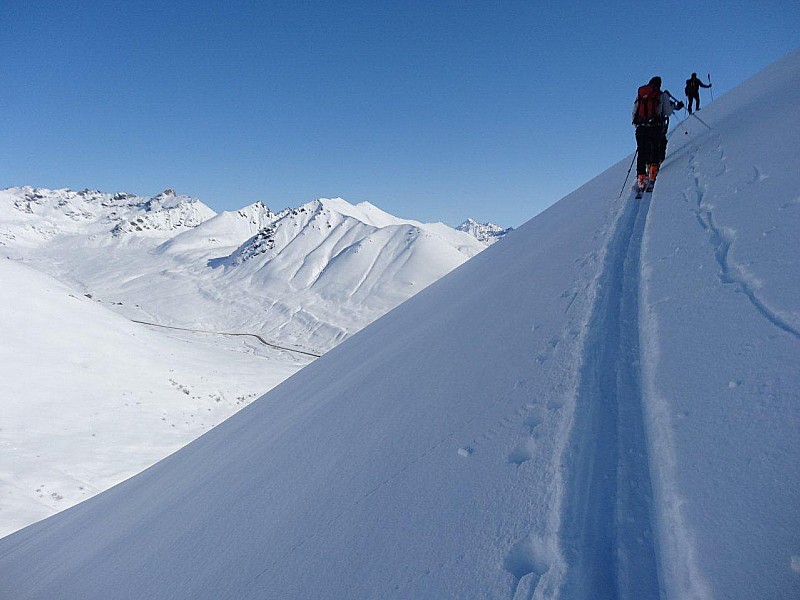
(648, 106)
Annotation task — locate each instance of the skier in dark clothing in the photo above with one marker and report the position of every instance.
(649, 111)
(693, 85)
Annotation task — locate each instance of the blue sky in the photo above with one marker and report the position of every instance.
(432, 110)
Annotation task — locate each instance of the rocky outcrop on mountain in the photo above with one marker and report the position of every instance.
(34, 215)
(166, 212)
(487, 233)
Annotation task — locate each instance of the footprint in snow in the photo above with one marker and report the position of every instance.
(522, 453)
(527, 561)
(534, 418)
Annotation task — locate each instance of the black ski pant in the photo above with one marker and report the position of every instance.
(662, 149)
(648, 143)
(696, 98)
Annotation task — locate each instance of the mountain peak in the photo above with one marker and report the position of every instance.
(488, 232)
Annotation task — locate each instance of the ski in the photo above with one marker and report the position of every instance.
(639, 192)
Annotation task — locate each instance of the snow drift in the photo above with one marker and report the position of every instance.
(604, 404)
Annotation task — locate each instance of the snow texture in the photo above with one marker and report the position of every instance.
(604, 405)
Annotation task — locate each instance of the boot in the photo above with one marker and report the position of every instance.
(641, 181)
(653, 173)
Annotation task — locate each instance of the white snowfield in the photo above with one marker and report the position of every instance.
(90, 398)
(604, 405)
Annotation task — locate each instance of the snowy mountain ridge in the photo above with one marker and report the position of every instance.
(36, 215)
(309, 276)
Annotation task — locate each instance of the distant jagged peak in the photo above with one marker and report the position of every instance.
(258, 205)
(166, 199)
(315, 218)
(487, 233)
(255, 211)
(332, 211)
(165, 212)
(169, 199)
(43, 195)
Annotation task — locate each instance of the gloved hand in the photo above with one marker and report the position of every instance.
(679, 105)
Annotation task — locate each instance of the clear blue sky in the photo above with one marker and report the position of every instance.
(433, 110)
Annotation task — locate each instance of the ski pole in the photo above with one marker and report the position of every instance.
(710, 87)
(629, 174)
(703, 122)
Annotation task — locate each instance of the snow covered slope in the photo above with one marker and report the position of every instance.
(90, 399)
(605, 405)
(222, 233)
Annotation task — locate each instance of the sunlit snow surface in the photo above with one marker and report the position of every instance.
(602, 405)
(90, 398)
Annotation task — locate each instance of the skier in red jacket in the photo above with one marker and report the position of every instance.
(650, 110)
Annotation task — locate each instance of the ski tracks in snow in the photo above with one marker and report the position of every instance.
(608, 526)
(723, 238)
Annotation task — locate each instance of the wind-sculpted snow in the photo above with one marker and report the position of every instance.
(603, 405)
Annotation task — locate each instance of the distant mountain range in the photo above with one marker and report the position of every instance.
(308, 276)
(303, 278)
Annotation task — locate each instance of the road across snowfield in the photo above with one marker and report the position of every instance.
(254, 335)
